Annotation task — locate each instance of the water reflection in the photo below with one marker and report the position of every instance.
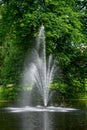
(37, 121)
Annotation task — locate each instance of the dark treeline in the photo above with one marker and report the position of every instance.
(66, 39)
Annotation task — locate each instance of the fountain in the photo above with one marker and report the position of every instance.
(28, 115)
(38, 72)
(37, 77)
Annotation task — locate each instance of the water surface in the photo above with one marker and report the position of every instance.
(44, 119)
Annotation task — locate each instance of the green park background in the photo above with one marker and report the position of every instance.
(65, 24)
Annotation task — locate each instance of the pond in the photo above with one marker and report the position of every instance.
(13, 118)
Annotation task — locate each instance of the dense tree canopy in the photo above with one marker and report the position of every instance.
(65, 29)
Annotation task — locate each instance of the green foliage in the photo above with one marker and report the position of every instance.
(65, 28)
(9, 93)
(11, 68)
(59, 86)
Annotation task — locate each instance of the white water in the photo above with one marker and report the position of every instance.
(39, 72)
(40, 109)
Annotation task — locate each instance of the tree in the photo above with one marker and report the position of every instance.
(20, 23)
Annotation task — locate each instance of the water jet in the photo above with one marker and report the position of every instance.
(39, 72)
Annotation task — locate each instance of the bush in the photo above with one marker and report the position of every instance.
(8, 93)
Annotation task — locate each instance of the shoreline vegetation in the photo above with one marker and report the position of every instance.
(12, 101)
(10, 94)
